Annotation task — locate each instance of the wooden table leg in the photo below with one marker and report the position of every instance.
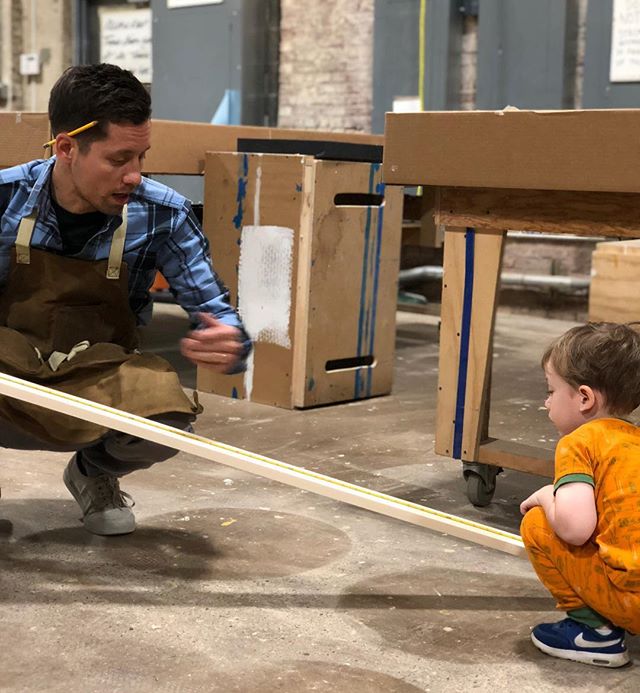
(472, 263)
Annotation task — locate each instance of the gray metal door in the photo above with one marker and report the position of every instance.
(599, 91)
(526, 53)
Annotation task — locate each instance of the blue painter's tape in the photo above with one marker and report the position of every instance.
(465, 329)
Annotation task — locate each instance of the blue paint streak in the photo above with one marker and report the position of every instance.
(298, 187)
(234, 393)
(363, 288)
(376, 278)
(465, 329)
(372, 259)
(242, 193)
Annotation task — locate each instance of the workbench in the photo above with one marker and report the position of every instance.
(575, 172)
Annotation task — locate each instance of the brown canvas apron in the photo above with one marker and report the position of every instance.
(52, 304)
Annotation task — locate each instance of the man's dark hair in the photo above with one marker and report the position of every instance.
(103, 92)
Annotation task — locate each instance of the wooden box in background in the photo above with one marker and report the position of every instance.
(418, 225)
(614, 295)
(309, 250)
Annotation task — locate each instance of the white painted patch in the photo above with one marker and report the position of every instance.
(264, 287)
(248, 374)
(264, 282)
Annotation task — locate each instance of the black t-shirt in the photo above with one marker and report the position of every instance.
(77, 229)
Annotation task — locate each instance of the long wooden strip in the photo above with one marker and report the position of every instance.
(548, 211)
(507, 453)
(260, 465)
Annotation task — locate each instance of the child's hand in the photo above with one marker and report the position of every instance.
(543, 497)
(528, 503)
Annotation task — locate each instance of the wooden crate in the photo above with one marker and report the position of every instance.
(310, 251)
(614, 295)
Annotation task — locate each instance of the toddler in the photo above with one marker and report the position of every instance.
(582, 532)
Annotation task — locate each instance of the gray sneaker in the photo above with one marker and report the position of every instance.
(106, 509)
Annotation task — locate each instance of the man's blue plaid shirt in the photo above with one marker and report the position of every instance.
(162, 234)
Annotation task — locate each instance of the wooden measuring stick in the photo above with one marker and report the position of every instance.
(263, 466)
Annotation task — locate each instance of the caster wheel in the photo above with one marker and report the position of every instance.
(479, 492)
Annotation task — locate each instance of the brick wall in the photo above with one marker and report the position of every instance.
(326, 58)
(43, 28)
(469, 64)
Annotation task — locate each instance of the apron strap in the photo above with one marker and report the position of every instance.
(23, 239)
(25, 231)
(117, 248)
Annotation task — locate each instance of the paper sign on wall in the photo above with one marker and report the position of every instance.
(125, 40)
(625, 42)
(406, 104)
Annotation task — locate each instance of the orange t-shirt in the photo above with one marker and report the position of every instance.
(606, 454)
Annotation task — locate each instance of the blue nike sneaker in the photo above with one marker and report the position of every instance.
(568, 639)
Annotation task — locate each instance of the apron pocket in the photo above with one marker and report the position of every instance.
(74, 324)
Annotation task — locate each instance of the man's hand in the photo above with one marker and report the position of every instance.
(543, 497)
(216, 346)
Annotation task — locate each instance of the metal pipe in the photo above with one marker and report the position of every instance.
(554, 237)
(547, 281)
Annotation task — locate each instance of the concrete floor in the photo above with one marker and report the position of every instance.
(234, 583)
